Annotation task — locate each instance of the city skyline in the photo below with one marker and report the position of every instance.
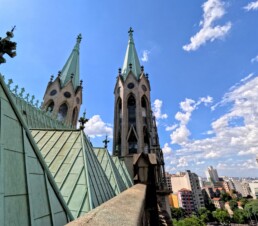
(201, 58)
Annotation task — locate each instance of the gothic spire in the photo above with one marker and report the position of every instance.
(131, 61)
(71, 67)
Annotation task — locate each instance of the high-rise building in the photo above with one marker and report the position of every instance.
(186, 201)
(212, 174)
(190, 181)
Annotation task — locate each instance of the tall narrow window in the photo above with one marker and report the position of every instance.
(144, 110)
(75, 116)
(62, 112)
(131, 105)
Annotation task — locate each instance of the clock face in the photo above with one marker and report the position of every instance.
(144, 88)
(130, 85)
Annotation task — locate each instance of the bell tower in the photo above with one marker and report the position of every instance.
(134, 125)
(63, 96)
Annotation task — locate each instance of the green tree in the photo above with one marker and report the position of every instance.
(189, 221)
(233, 204)
(222, 216)
(240, 216)
(177, 213)
(225, 197)
(205, 215)
(252, 209)
(243, 201)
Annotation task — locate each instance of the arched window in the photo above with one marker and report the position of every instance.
(132, 140)
(50, 107)
(62, 112)
(75, 116)
(131, 105)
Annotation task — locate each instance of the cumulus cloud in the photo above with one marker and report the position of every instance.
(171, 128)
(212, 11)
(251, 6)
(181, 134)
(157, 105)
(166, 149)
(255, 59)
(182, 162)
(145, 56)
(96, 127)
(238, 142)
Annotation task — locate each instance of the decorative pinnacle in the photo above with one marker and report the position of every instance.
(119, 71)
(142, 68)
(51, 78)
(79, 38)
(130, 66)
(83, 120)
(106, 141)
(72, 75)
(59, 73)
(81, 82)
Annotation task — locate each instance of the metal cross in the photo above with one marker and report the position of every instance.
(106, 141)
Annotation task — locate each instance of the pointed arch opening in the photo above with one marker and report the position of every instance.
(131, 105)
(50, 106)
(75, 116)
(62, 112)
(118, 126)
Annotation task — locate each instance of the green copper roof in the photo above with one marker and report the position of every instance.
(28, 192)
(123, 171)
(110, 169)
(72, 66)
(131, 57)
(76, 169)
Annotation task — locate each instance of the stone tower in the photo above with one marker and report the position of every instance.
(134, 125)
(63, 96)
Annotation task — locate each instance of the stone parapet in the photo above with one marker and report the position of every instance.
(125, 209)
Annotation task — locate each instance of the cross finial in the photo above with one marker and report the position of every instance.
(79, 38)
(106, 141)
(83, 120)
(130, 32)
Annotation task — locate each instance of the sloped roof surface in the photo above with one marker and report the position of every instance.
(77, 172)
(123, 171)
(28, 193)
(110, 169)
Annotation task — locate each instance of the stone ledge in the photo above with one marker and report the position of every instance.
(126, 209)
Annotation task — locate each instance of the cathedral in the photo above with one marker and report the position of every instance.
(50, 173)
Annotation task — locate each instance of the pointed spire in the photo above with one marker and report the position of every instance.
(72, 66)
(131, 61)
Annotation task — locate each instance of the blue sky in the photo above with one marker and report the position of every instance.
(201, 56)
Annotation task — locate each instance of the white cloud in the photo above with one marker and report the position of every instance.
(96, 127)
(182, 162)
(171, 128)
(255, 59)
(145, 55)
(200, 163)
(181, 134)
(212, 11)
(252, 6)
(238, 142)
(157, 105)
(166, 149)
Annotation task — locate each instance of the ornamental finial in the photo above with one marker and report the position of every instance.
(106, 141)
(130, 31)
(79, 38)
(83, 120)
